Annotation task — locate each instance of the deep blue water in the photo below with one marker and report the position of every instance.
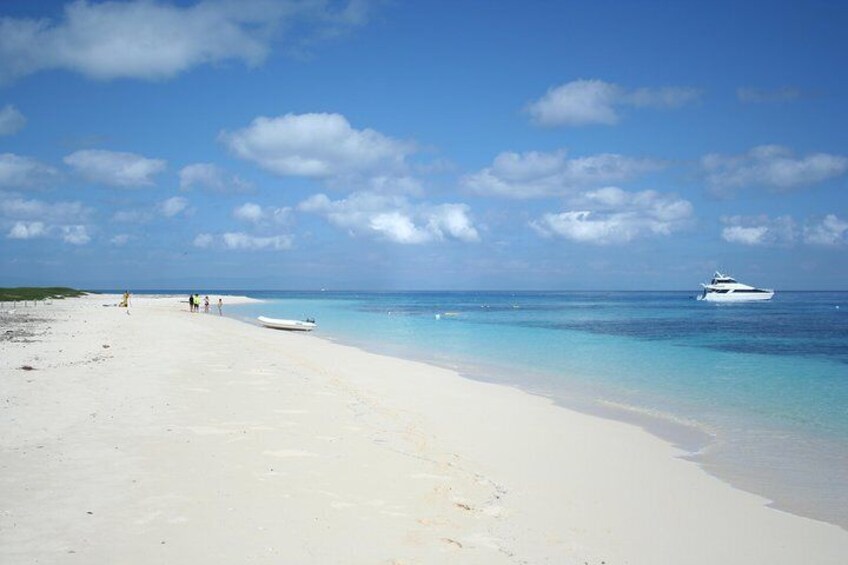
(758, 391)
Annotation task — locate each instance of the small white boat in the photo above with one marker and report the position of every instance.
(723, 288)
(293, 325)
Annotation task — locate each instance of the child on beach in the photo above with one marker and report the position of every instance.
(220, 306)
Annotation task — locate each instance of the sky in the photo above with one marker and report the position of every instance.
(391, 145)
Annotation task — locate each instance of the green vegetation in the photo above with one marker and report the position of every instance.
(37, 293)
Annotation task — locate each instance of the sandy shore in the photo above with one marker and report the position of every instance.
(169, 437)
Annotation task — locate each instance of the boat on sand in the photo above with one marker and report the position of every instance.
(292, 325)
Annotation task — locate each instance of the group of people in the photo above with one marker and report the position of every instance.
(194, 304)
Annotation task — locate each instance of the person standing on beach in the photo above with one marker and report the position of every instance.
(197, 303)
(206, 305)
(220, 306)
(191, 303)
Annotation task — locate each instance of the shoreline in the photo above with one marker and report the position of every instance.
(703, 445)
(348, 443)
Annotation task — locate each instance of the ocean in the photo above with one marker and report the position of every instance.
(755, 393)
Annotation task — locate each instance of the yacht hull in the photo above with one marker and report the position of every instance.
(736, 297)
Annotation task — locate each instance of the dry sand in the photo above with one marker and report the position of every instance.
(169, 437)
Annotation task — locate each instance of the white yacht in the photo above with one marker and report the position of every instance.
(726, 289)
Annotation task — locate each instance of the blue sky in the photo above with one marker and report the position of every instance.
(423, 145)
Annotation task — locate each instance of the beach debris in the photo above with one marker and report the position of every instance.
(27, 368)
(463, 506)
(106, 346)
(452, 541)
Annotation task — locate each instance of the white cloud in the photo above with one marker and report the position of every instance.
(16, 208)
(136, 216)
(451, 220)
(11, 120)
(39, 219)
(398, 227)
(24, 172)
(256, 214)
(204, 240)
(538, 174)
(758, 230)
(239, 240)
(211, 177)
(316, 145)
(828, 231)
(752, 235)
(394, 218)
(583, 102)
(152, 40)
(169, 208)
(114, 168)
(27, 230)
(387, 184)
(248, 212)
(173, 206)
(753, 95)
(770, 166)
(75, 235)
(235, 241)
(617, 217)
(120, 239)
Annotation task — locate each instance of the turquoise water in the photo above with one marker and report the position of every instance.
(757, 393)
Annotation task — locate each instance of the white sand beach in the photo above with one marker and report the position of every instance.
(164, 436)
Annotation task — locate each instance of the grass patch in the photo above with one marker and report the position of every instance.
(38, 293)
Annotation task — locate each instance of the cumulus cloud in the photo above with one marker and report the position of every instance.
(751, 95)
(248, 212)
(772, 167)
(244, 241)
(583, 102)
(316, 145)
(394, 218)
(75, 235)
(758, 230)
(14, 207)
(614, 216)
(115, 168)
(536, 174)
(204, 240)
(213, 178)
(829, 230)
(173, 206)
(30, 218)
(24, 172)
(27, 230)
(149, 39)
(168, 208)
(256, 214)
(11, 120)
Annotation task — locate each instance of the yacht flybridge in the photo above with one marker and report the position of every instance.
(723, 288)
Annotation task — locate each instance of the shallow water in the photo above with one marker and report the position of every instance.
(758, 393)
